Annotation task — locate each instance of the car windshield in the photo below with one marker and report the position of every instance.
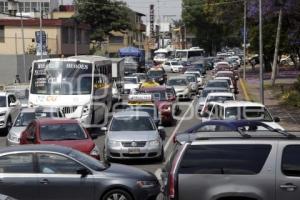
(191, 79)
(131, 123)
(2, 101)
(89, 161)
(219, 98)
(24, 118)
(158, 95)
(228, 81)
(54, 132)
(222, 84)
(192, 72)
(248, 113)
(150, 110)
(130, 80)
(177, 82)
(174, 63)
(152, 73)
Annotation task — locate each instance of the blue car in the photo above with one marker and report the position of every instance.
(219, 126)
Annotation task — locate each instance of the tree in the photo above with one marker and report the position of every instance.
(103, 16)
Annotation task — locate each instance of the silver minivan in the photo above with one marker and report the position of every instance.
(131, 135)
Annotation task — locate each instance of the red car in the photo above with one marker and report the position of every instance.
(163, 103)
(64, 132)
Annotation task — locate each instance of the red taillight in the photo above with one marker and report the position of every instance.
(174, 139)
(171, 186)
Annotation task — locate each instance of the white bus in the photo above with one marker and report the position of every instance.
(189, 54)
(80, 85)
(161, 55)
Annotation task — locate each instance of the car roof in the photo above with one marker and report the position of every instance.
(225, 72)
(228, 94)
(36, 147)
(56, 121)
(130, 77)
(5, 93)
(222, 78)
(177, 77)
(240, 104)
(216, 80)
(156, 88)
(131, 113)
(216, 88)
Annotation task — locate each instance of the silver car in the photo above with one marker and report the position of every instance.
(26, 116)
(181, 86)
(131, 135)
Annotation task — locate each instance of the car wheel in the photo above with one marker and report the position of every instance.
(8, 125)
(161, 158)
(117, 194)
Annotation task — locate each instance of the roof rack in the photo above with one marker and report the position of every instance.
(243, 134)
(284, 133)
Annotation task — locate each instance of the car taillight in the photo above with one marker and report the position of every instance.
(171, 186)
(166, 107)
(174, 139)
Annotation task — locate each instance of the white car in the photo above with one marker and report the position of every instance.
(200, 78)
(10, 106)
(228, 79)
(240, 110)
(218, 97)
(181, 87)
(172, 66)
(131, 83)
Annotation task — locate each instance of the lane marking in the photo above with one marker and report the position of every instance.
(178, 126)
(245, 91)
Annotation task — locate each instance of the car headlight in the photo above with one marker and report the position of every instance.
(154, 143)
(95, 151)
(13, 138)
(147, 184)
(2, 114)
(113, 143)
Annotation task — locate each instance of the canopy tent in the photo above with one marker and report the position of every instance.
(130, 51)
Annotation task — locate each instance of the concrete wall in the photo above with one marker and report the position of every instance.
(11, 65)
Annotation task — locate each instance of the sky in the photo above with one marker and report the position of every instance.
(166, 9)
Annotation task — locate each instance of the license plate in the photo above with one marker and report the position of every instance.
(134, 151)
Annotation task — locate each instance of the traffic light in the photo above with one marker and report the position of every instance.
(280, 2)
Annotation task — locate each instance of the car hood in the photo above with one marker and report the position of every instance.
(132, 135)
(179, 88)
(3, 109)
(17, 130)
(131, 86)
(119, 170)
(84, 146)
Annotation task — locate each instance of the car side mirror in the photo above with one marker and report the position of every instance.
(104, 129)
(204, 115)
(276, 119)
(12, 104)
(30, 138)
(162, 132)
(83, 172)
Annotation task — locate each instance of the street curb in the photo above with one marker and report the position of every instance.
(245, 90)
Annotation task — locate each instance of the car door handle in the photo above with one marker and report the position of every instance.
(44, 181)
(288, 187)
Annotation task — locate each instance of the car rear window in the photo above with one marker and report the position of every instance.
(224, 159)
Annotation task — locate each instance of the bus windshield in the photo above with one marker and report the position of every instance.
(61, 78)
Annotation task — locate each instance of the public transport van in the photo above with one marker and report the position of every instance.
(80, 85)
(189, 54)
(161, 55)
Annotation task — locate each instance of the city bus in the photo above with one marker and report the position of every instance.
(189, 54)
(80, 85)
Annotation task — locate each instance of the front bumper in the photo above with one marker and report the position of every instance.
(134, 152)
(182, 95)
(148, 193)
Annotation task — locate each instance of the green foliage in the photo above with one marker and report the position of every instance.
(103, 16)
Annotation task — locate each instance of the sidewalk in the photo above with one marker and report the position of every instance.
(250, 91)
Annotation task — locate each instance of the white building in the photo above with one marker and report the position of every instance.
(30, 8)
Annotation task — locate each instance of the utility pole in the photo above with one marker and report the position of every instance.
(245, 36)
(261, 61)
(41, 25)
(75, 34)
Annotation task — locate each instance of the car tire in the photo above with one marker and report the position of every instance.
(161, 158)
(8, 125)
(117, 194)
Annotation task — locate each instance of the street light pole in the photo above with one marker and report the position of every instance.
(245, 35)
(261, 61)
(23, 44)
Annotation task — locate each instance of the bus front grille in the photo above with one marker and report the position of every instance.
(68, 110)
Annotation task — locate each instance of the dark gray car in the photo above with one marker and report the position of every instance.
(50, 172)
